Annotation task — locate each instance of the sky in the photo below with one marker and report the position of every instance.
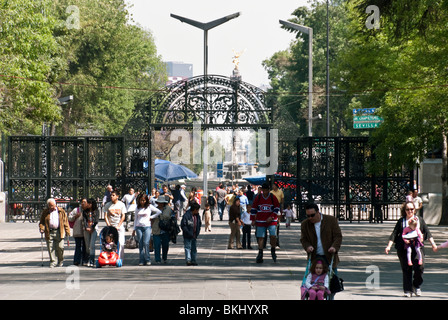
(256, 33)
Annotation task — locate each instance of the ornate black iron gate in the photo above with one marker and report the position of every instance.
(334, 173)
(70, 168)
(65, 168)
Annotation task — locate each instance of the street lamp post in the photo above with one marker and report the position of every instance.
(205, 27)
(309, 32)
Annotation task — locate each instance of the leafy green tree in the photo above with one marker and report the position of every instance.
(88, 49)
(111, 66)
(401, 65)
(288, 73)
(28, 56)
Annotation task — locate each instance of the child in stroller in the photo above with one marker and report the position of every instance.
(109, 249)
(317, 281)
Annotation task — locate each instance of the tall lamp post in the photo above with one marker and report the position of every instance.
(309, 32)
(205, 27)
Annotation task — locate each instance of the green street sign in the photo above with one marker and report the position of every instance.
(366, 125)
(368, 118)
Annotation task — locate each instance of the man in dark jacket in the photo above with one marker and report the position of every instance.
(321, 235)
(191, 227)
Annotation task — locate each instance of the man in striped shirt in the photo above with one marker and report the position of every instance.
(264, 215)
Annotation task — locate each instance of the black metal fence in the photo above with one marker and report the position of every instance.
(334, 172)
(69, 169)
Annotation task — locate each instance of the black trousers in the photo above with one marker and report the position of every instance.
(412, 275)
(246, 235)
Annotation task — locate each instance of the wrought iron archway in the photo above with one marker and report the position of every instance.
(214, 102)
(71, 168)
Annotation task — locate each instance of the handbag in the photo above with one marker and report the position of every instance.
(72, 223)
(336, 284)
(131, 243)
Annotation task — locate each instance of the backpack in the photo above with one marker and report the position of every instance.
(166, 224)
(211, 201)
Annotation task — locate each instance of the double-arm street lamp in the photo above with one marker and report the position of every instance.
(309, 32)
(206, 27)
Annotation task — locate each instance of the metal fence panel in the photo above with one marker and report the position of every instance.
(333, 171)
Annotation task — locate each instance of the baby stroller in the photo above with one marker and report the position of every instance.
(335, 283)
(109, 250)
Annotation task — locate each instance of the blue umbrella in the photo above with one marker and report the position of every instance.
(256, 180)
(167, 171)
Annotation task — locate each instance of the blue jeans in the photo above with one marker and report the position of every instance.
(161, 241)
(190, 249)
(143, 237)
(90, 239)
(221, 207)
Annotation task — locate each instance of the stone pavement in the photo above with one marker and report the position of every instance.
(222, 274)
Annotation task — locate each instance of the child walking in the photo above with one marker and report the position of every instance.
(207, 215)
(289, 215)
(317, 281)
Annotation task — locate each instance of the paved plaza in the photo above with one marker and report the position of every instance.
(222, 274)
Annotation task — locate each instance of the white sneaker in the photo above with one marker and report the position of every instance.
(417, 292)
(407, 294)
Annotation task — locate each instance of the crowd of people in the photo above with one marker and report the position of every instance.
(157, 219)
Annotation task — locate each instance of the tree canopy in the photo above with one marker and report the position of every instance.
(91, 51)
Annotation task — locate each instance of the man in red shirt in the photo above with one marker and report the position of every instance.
(264, 215)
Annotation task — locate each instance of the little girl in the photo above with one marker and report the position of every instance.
(413, 238)
(109, 247)
(207, 215)
(289, 215)
(317, 281)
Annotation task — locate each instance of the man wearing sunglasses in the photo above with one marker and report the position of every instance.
(321, 235)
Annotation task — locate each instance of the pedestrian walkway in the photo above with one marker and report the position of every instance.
(222, 274)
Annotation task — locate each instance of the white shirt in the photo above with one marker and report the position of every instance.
(319, 249)
(115, 211)
(54, 219)
(417, 201)
(143, 216)
(288, 213)
(245, 217)
(129, 200)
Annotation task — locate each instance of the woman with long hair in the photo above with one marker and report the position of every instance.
(412, 274)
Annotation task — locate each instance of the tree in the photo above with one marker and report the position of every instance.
(288, 72)
(91, 50)
(28, 56)
(405, 71)
(111, 66)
